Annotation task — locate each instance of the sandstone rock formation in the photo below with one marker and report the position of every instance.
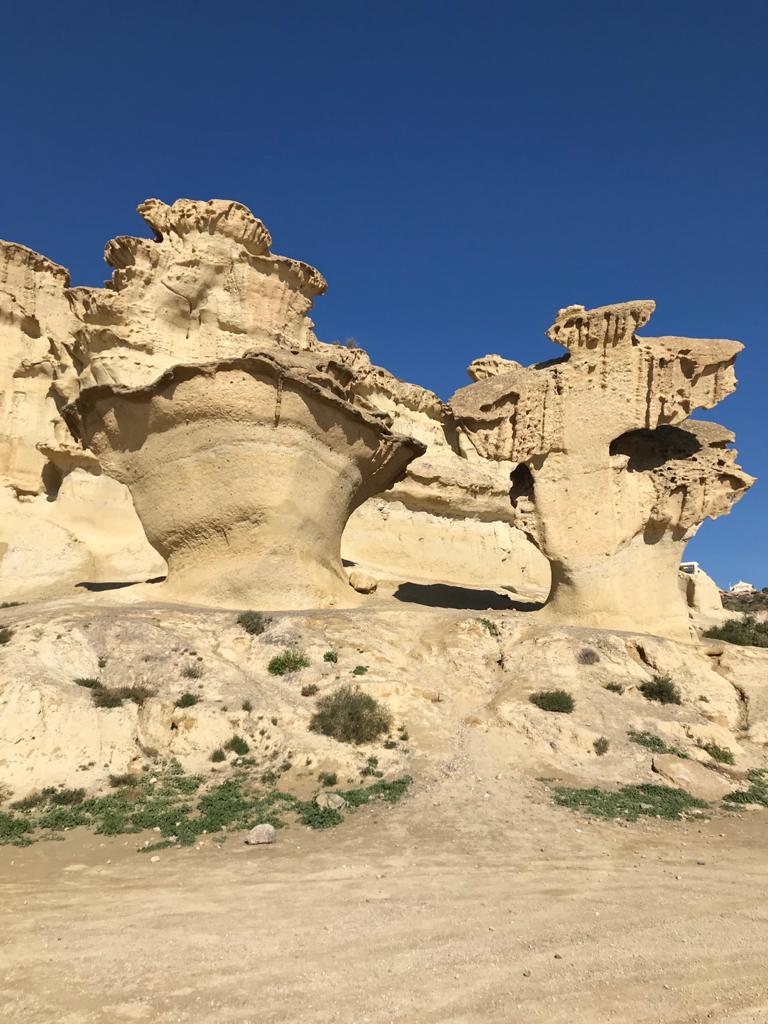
(61, 521)
(207, 288)
(612, 478)
(243, 474)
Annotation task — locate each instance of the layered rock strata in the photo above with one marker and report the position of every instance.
(611, 480)
(243, 473)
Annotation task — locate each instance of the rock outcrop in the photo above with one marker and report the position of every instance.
(61, 521)
(612, 477)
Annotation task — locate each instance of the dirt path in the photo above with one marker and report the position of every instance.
(451, 907)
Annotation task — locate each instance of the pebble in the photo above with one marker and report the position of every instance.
(154, 859)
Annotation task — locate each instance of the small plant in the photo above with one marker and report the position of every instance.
(654, 743)
(237, 745)
(218, 754)
(403, 733)
(492, 628)
(747, 632)
(661, 689)
(718, 753)
(289, 660)
(124, 779)
(371, 767)
(328, 779)
(390, 744)
(253, 622)
(187, 700)
(350, 716)
(359, 670)
(331, 656)
(757, 793)
(587, 656)
(192, 671)
(614, 687)
(601, 745)
(102, 661)
(559, 701)
(11, 604)
(89, 684)
(5, 635)
(309, 690)
(247, 706)
(67, 797)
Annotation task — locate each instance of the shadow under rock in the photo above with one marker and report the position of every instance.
(441, 595)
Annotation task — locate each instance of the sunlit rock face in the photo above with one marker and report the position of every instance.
(612, 477)
(62, 522)
(244, 473)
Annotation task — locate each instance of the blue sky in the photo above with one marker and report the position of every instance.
(458, 171)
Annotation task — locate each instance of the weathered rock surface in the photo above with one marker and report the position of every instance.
(243, 473)
(694, 778)
(61, 522)
(261, 835)
(612, 481)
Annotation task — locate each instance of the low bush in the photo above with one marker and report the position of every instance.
(359, 670)
(746, 632)
(654, 743)
(187, 700)
(614, 687)
(237, 745)
(661, 689)
(253, 622)
(629, 802)
(309, 690)
(247, 705)
(6, 635)
(192, 671)
(289, 660)
(559, 701)
(601, 745)
(587, 656)
(350, 716)
(491, 626)
(331, 656)
(104, 697)
(757, 793)
(328, 779)
(218, 754)
(124, 779)
(718, 753)
(89, 684)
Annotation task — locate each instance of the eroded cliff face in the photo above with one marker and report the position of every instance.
(61, 522)
(608, 485)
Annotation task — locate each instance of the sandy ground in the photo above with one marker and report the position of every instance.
(474, 900)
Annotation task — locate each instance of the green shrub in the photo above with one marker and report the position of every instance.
(253, 622)
(187, 700)
(601, 745)
(371, 768)
(289, 660)
(491, 626)
(247, 706)
(587, 656)
(390, 744)
(662, 690)
(350, 716)
(359, 670)
(89, 684)
(559, 701)
(237, 745)
(629, 802)
(67, 797)
(102, 661)
(654, 743)
(721, 754)
(328, 779)
(614, 687)
(192, 671)
(218, 754)
(309, 690)
(747, 632)
(5, 635)
(757, 793)
(331, 656)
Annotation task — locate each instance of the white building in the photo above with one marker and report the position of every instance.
(742, 588)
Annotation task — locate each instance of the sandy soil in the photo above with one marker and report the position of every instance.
(474, 900)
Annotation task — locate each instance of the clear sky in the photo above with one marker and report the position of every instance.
(458, 171)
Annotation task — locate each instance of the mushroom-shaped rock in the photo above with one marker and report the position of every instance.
(244, 473)
(606, 484)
